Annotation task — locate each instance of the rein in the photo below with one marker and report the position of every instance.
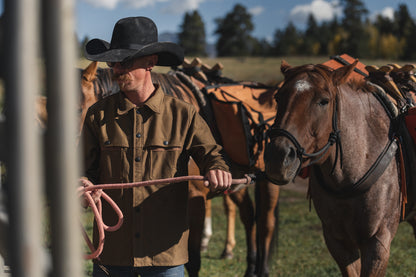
(334, 137)
(88, 188)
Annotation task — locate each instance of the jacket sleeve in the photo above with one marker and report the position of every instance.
(203, 147)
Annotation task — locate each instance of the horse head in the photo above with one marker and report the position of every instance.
(305, 127)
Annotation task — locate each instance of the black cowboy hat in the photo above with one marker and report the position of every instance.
(134, 37)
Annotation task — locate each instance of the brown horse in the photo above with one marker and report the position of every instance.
(188, 89)
(341, 131)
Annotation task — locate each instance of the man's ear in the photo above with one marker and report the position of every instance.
(152, 61)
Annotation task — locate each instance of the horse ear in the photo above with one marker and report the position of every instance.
(284, 67)
(90, 71)
(340, 76)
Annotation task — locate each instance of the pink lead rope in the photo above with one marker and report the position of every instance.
(87, 188)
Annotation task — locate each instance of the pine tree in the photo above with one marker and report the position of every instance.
(311, 44)
(405, 29)
(288, 41)
(192, 35)
(234, 33)
(355, 14)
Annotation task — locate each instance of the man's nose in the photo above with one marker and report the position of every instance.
(117, 68)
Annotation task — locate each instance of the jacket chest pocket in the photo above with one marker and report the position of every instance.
(163, 161)
(114, 163)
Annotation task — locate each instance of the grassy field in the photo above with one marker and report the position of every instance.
(300, 248)
(262, 70)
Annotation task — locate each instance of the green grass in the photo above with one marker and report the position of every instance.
(258, 69)
(301, 250)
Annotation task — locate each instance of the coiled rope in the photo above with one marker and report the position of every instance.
(88, 188)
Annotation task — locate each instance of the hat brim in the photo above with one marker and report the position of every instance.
(169, 53)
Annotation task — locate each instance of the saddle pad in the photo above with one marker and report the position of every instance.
(410, 119)
(341, 60)
(242, 113)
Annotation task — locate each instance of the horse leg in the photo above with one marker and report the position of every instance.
(207, 232)
(230, 211)
(375, 254)
(242, 200)
(267, 195)
(345, 255)
(196, 224)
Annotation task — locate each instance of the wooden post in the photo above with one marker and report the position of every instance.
(62, 156)
(21, 72)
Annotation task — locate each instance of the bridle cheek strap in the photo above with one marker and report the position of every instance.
(334, 138)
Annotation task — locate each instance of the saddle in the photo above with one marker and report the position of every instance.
(243, 113)
(239, 113)
(396, 90)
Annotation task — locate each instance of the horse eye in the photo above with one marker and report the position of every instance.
(323, 102)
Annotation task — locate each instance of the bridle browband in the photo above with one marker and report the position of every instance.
(334, 138)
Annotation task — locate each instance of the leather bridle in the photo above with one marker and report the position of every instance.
(364, 183)
(334, 138)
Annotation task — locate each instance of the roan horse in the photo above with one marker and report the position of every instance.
(96, 83)
(340, 130)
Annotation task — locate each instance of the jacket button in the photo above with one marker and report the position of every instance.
(138, 135)
(107, 142)
(165, 142)
(137, 159)
(138, 111)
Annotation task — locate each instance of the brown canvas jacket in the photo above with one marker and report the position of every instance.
(126, 143)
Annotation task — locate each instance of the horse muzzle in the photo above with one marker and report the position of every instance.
(281, 161)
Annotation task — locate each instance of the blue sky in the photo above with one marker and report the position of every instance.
(96, 18)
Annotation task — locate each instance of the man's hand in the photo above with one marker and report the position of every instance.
(95, 194)
(218, 179)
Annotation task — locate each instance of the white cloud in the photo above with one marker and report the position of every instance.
(181, 6)
(387, 12)
(322, 11)
(107, 4)
(137, 4)
(112, 4)
(257, 10)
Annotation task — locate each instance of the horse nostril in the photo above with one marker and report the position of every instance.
(290, 157)
(292, 153)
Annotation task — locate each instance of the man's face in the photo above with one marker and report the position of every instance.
(131, 74)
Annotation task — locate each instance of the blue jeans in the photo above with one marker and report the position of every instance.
(130, 271)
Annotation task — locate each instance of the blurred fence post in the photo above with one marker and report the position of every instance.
(62, 156)
(21, 71)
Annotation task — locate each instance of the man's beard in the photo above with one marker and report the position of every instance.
(122, 80)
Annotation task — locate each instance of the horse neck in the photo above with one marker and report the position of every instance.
(364, 128)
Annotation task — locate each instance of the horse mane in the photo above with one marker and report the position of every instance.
(168, 82)
(320, 75)
(104, 83)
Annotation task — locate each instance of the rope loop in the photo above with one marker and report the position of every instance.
(87, 189)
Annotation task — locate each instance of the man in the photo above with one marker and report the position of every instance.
(141, 134)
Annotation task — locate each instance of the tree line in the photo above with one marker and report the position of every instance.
(354, 33)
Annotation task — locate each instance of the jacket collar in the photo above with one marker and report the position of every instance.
(154, 103)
